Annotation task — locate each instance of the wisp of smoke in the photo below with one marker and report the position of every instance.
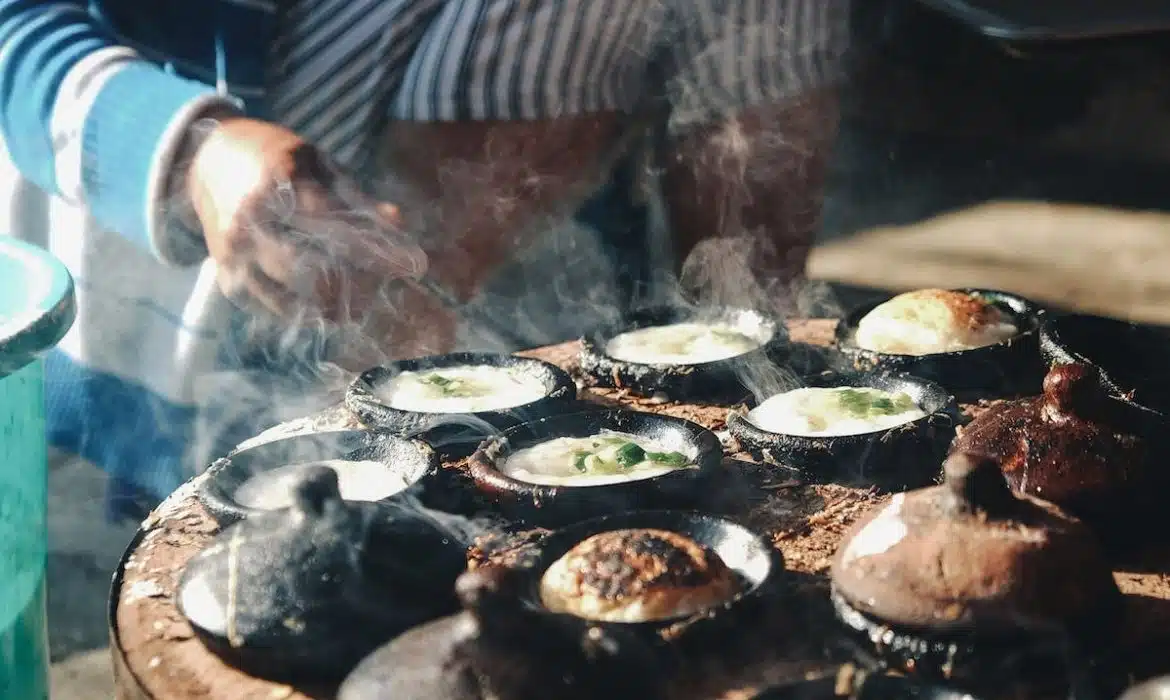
(276, 368)
(457, 528)
(764, 379)
(560, 287)
(718, 274)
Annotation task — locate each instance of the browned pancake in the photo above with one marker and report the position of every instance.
(963, 310)
(950, 320)
(640, 573)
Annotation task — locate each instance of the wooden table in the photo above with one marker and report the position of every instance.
(156, 655)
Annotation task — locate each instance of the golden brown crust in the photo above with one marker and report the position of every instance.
(630, 563)
(637, 575)
(967, 310)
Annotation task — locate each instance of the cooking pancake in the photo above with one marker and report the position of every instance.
(461, 389)
(605, 458)
(637, 575)
(929, 321)
(688, 343)
(834, 411)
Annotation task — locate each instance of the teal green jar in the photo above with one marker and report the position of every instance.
(37, 307)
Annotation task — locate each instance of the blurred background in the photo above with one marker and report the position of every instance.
(964, 160)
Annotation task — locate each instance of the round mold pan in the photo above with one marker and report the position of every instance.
(414, 459)
(543, 505)
(1035, 659)
(455, 433)
(709, 381)
(759, 566)
(408, 570)
(1133, 362)
(905, 456)
(1011, 367)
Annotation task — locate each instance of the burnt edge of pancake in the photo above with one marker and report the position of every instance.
(626, 563)
(1011, 367)
(970, 309)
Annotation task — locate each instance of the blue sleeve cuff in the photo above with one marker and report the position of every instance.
(130, 137)
(40, 42)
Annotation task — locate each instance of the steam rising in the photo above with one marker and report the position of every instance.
(317, 269)
(455, 528)
(348, 251)
(451, 431)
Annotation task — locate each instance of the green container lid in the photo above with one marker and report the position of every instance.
(37, 304)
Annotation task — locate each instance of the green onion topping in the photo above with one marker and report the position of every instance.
(629, 455)
(579, 461)
(670, 459)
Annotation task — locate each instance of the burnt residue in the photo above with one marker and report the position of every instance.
(506, 548)
(1007, 368)
(362, 397)
(630, 563)
(905, 456)
(413, 459)
(710, 381)
(976, 579)
(535, 504)
(1071, 445)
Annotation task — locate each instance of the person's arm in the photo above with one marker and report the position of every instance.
(755, 118)
(90, 120)
(174, 167)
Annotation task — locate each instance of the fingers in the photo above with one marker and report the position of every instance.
(253, 291)
(389, 214)
(284, 280)
(374, 228)
(314, 246)
(371, 323)
(367, 236)
(303, 256)
(356, 238)
(310, 292)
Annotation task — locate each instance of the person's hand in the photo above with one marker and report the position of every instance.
(294, 236)
(286, 226)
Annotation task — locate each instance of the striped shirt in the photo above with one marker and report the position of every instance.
(95, 96)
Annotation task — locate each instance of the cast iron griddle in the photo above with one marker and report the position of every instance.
(1058, 20)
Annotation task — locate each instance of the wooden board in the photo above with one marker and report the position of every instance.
(1092, 259)
(156, 655)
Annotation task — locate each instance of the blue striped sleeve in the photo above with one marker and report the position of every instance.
(89, 120)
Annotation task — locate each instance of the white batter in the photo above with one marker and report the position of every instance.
(461, 389)
(929, 321)
(605, 458)
(357, 481)
(689, 343)
(837, 411)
